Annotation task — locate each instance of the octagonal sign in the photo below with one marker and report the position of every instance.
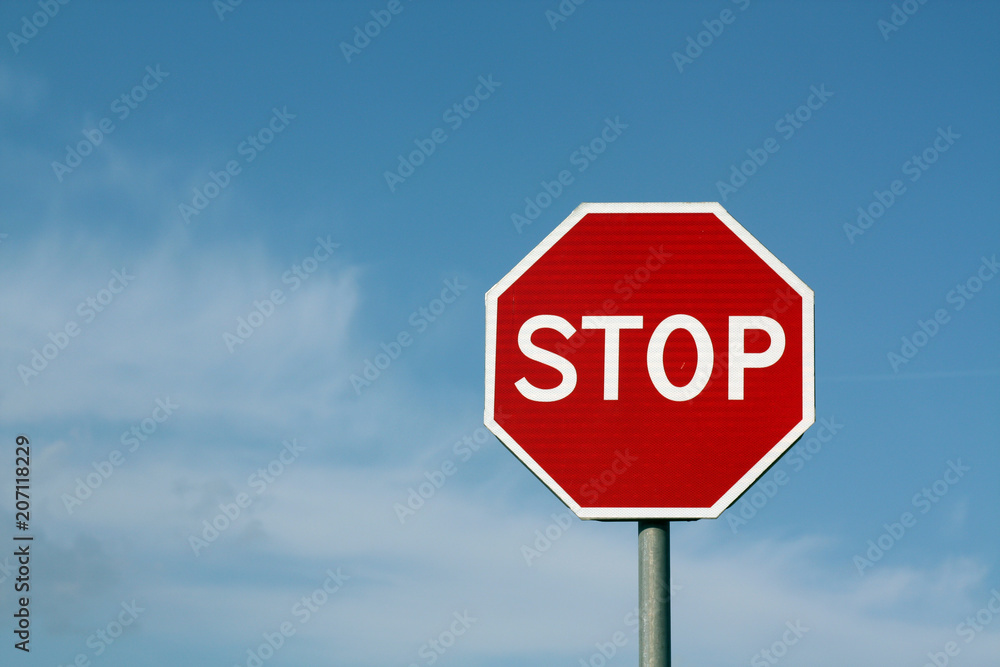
(649, 360)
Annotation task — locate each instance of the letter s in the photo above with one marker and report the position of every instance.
(535, 353)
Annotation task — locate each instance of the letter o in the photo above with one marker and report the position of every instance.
(654, 358)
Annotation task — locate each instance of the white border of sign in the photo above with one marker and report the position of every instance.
(808, 365)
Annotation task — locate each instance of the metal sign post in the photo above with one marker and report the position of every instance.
(654, 593)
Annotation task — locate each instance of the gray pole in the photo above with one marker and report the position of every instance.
(654, 593)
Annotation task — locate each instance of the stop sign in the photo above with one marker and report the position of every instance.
(649, 360)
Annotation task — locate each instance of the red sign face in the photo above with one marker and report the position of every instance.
(649, 360)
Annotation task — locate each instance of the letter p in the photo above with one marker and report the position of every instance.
(739, 359)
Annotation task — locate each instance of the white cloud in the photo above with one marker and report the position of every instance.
(163, 334)
(463, 553)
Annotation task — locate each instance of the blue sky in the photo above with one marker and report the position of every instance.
(308, 240)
